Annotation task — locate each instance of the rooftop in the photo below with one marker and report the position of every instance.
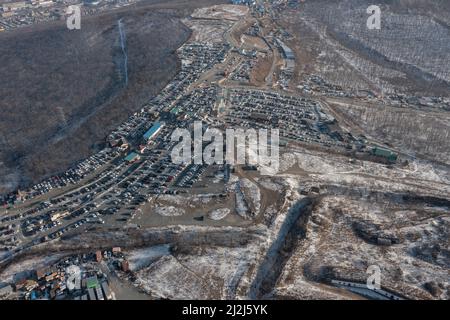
(153, 130)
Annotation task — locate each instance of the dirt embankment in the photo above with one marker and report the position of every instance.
(291, 232)
(98, 239)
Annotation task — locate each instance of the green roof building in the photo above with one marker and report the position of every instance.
(392, 157)
(175, 110)
(133, 156)
(91, 282)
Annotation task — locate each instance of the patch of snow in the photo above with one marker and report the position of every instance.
(252, 193)
(141, 258)
(23, 268)
(219, 214)
(169, 211)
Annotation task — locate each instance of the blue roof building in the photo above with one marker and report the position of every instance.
(153, 131)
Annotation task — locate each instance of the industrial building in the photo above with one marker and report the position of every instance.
(132, 157)
(91, 294)
(388, 155)
(286, 51)
(98, 291)
(92, 282)
(107, 291)
(153, 131)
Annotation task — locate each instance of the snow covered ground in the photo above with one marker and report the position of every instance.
(205, 273)
(219, 214)
(337, 169)
(225, 11)
(141, 258)
(252, 194)
(169, 211)
(331, 242)
(23, 268)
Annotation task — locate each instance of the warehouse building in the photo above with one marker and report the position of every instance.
(91, 294)
(106, 291)
(132, 157)
(287, 52)
(98, 291)
(153, 131)
(388, 155)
